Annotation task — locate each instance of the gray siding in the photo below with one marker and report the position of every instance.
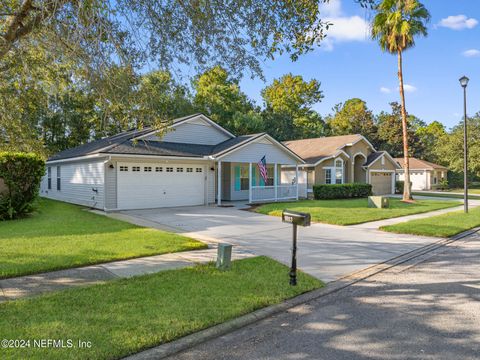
(254, 152)
(77, 183)
(198, 132)
(111, 185)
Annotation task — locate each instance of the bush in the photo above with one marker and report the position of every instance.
(341, 191)
(399, 186)
(21, 174)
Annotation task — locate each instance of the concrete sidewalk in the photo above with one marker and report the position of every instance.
(25, 286)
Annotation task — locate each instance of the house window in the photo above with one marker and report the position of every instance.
(190, 170)
(135, 168)
(59, 178)
(159, 169)
(199, 170)
(169, 169)
(328, 176)
(147, 168)
(270, 176)
(339, 171)
(179, 169)
(49, 176)
(123, 168)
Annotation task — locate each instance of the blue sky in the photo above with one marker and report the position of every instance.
(350, 65)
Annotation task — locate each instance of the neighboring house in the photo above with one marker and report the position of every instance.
(424, 175)
(195, 162)
(342, 159)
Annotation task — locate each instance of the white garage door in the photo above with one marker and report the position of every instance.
(149, 185)
(381, 183)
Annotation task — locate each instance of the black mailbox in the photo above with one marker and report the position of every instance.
(296, 218)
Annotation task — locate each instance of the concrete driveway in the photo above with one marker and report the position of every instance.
(327, 252)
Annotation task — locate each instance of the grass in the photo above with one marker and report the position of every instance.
(353, 211)
(126, 316)
(441, 226)
(61, 235)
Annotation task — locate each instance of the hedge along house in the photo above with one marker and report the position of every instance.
(194, 162)
(340, 160)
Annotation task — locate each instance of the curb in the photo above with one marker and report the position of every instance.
(188, 341)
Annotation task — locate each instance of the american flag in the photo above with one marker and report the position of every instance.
(262, 167)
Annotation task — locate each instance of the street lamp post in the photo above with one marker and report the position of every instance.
(464, 82)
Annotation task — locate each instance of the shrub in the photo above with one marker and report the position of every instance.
(399, 185)
(21, 174)
(341, 191)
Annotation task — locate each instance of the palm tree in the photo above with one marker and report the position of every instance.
(395, 27)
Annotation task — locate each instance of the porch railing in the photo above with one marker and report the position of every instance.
(267, 193)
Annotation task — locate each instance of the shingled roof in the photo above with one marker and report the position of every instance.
(417, 164)
(314, 150)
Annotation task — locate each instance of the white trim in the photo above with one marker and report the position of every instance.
(78, 158)
(275, 178)
(226, 152)
(250, 182)
(219, 183)
(296, 183)
(358, 153)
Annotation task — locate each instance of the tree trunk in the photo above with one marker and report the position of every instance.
(406, 164)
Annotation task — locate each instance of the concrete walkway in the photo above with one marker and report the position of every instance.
(25, 286)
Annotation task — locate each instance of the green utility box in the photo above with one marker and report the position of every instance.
(379, 202)
(224, 256)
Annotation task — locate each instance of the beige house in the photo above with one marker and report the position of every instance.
(424, 175)
(342, 159)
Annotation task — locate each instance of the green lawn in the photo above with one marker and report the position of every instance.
(353, 211)
(61, 235)
(127, 316)
(443, 225)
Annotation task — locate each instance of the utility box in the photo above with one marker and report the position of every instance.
(224, 256)
(379, 202)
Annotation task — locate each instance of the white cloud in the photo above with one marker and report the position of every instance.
(385, 90)
(409, 88)
(471, 53)
(343, 28)
(458, 22)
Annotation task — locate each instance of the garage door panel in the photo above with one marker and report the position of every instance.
(159, 187)
(381, 183)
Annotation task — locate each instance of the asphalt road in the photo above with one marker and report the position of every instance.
(427, 311)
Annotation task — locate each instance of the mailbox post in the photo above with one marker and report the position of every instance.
(295, 218)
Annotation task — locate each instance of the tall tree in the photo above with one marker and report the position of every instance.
(395, 26)
(430, 136)
(390, 133)
(353, 117)
(218, 95)
(289, 101)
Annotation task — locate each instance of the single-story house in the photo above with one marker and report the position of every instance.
(342, 159)
(193, 162)
(423, 174)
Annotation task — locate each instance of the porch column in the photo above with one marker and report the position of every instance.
(275, 180)
(296, 180)
(219, 183)
(249, 183)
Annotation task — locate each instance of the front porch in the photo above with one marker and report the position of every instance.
(241, 181)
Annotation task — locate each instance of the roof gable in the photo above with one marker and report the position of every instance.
(318, 149)
(418, 164)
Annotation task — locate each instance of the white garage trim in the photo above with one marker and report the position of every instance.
(383, 171)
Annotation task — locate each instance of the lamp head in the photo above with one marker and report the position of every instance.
(464, 81)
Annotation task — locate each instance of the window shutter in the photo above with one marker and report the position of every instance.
(254, 176)
(237, 178)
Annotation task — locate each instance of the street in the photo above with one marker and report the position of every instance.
(426, 311)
